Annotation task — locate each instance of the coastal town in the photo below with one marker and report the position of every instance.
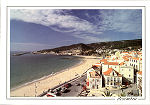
(122, 71)
(76, 53)
(116, 75)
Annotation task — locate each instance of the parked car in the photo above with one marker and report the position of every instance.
(67, 85)
(77, 84)
(52, 91)
(58, 89)
(57, 93)
(64, 89)
(50, 95)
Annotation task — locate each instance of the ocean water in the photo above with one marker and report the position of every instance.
(29, 67)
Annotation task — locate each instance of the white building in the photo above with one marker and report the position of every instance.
(94, 79)
(112, 78)
(127, 72)
(136, 63)
(114, 65)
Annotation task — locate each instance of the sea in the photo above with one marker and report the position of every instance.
(29, 67)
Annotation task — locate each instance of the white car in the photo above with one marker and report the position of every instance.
(50, 95)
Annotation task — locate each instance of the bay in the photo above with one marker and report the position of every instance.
(29, 67)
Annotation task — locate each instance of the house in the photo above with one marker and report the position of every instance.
(112, 78)
(103, 61)
(99, 65)
(136, 63)
(94, 79)
(127, 73)
(114, 65)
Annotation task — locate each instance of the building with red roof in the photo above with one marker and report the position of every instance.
(94, 79)
(114, 65)
(136, 62)
(112, 78)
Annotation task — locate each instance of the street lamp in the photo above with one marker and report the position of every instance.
(35, 89)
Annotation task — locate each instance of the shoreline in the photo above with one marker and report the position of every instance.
(38, 86)
(48, 76)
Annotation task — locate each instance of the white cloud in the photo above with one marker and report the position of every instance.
(122, 20)
(61, 21)
(90, 38)
(54, 17)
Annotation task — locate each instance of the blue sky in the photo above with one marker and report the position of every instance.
(38, 29)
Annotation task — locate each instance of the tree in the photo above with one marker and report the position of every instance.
(107, 94)
(123, 94)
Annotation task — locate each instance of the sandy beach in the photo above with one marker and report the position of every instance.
(39, 86)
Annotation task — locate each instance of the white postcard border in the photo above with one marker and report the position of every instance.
(38, 100)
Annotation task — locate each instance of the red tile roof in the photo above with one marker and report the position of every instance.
(122, 63)
(107, 73)
(94, 74)
(124, 52)
(125, 58)
(140, 72)
(139, 53)
(111, 63)
(97, 64)
(135, 58)
(103, 60)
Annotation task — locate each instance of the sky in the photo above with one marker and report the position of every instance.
(37, 29)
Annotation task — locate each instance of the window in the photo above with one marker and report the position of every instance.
(111, 79)
(93, 86)
(108, 78)
(96, 74)
(114, 81)
(111, 83)
(118, 79)
(113, 73)
(97, 86)
(107, 82)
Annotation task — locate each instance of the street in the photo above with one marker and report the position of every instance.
(74, 90)
(76, 87)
